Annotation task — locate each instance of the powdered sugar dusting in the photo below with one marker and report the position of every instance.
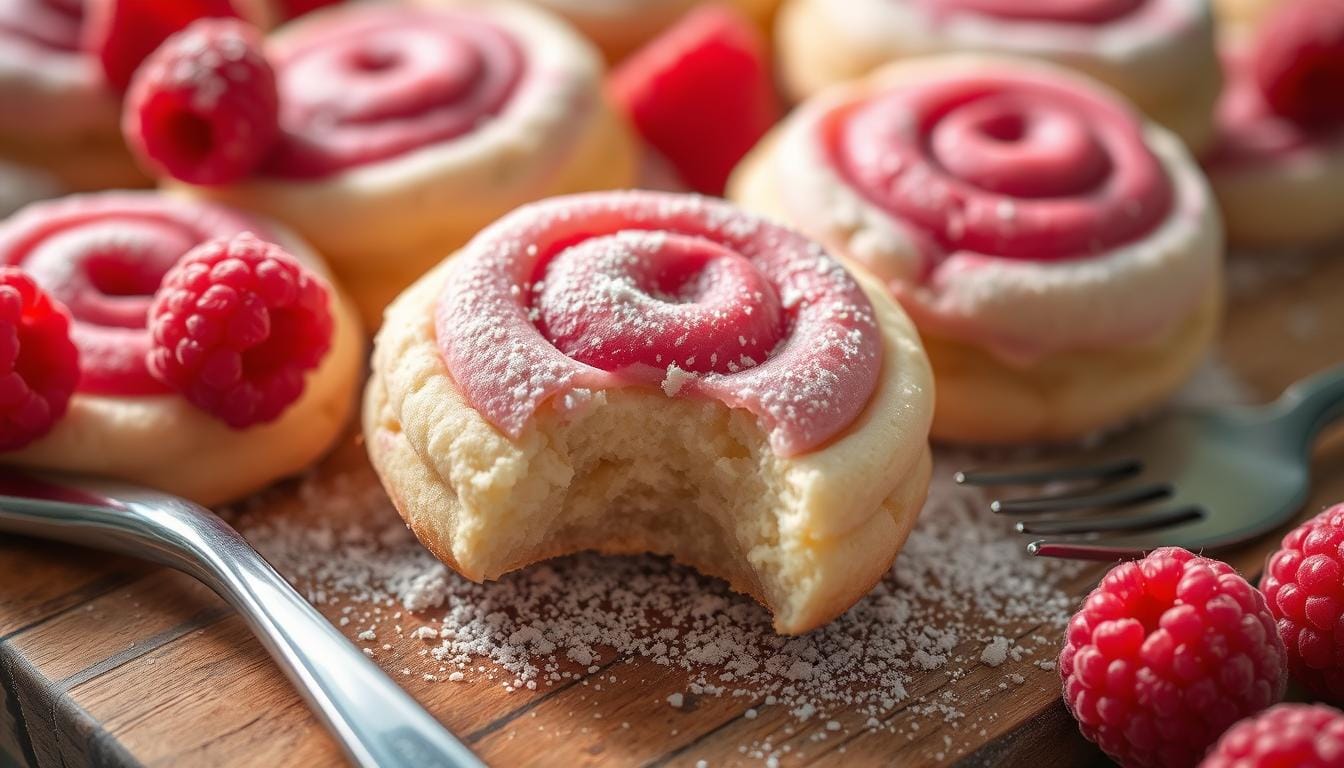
(962, 582)
(962, 596)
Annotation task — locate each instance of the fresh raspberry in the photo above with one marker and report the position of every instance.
(1304, 584)
(39, 365)
(1165, 654)
(1298, 61)
(204, 108)
(122, 33)
(701, 94)
(236, 324)
(1286, 736)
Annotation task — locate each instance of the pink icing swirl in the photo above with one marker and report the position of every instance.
(616, 289)
(1013, 165)
(1064, 11)
(54, 25)
(367, 83)
(103, 256)
(1249, 133)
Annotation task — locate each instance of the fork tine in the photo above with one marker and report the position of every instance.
(1105, 471)
(1144, 522)
(1062, 503)
(1078, 551)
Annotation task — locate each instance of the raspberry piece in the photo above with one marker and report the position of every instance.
(1286, 736)
(39, 365)
(701, 94)
(236, 324)
(204, 108)
(122, 33)
(1165, 654)
(1298, 61)
(1304, 584)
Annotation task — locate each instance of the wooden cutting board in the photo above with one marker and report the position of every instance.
(104, 661)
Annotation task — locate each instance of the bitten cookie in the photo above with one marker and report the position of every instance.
(644, 372)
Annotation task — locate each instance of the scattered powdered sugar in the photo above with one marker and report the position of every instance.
(996, 652)
(675, 379)
(963, 595)
(962, 581)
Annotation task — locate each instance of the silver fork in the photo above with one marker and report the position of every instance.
(1199, 479)
(374, 720)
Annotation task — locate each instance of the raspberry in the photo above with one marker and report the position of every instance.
(1304, 584)
(204, 108)
(1165, 654)
(39, 365)
(701, 94)
(1298, 61)
(1286, 736)
(122, 33)
(235, 325)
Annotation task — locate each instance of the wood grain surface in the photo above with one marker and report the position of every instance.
(104, 661)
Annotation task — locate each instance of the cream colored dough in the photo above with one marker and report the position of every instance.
(1172, 76)
(1291, 200)
(631, 470)
(165, 442)
(58, 115)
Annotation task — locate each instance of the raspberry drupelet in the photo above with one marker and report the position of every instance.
(1165, 654)
(236, 325)
(39, 365)
(1304, 584)
(1286, 736)
(204, 108)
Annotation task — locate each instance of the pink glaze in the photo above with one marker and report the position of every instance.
(1248, 131)
(103, 255)
(1066, 11)
(631, 298)
(1014, 165)
(364, 84)
(54, 25)
(614, 289)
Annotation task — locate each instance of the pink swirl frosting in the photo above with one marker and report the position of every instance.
(367, 83)
(1017, 166)
(54, 25)
(1065, 11)
(103, 256)
(1249, 132)
(636, 288)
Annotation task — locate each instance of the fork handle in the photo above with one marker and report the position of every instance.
(376, 722)
(1311, 404)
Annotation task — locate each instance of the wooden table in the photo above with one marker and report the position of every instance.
(105, 661)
